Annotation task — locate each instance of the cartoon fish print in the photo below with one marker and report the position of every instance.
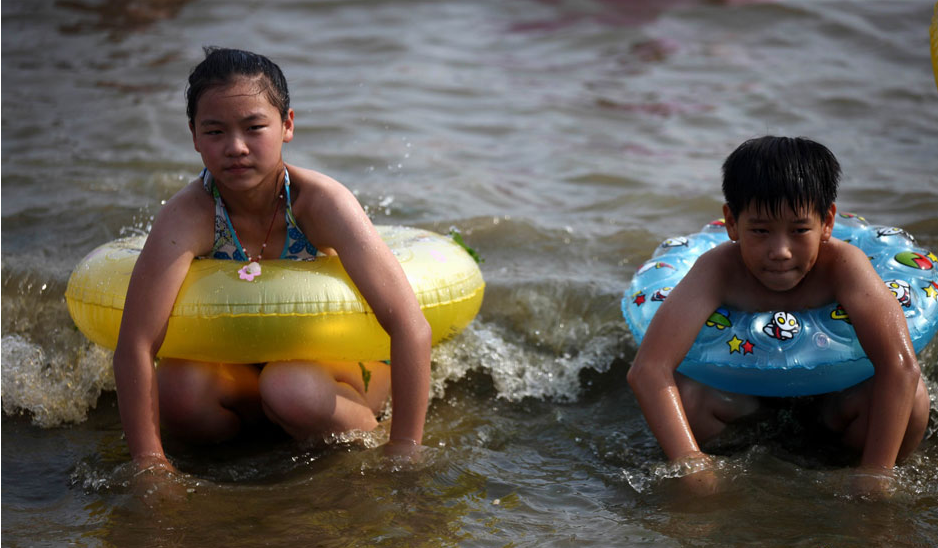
(893, 231)
(720, 319)
(783, 326)
(901, 290)
(652, 265)
(838, 313)
(853, 216)
(675, 242)
(661, 294)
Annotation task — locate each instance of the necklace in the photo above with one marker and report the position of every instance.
(273, 218)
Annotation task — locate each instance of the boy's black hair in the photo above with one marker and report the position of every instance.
(770, 172)
(222, 66)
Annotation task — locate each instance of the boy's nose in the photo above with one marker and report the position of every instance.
(780, 250)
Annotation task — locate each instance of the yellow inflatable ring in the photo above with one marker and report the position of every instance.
(293, 310)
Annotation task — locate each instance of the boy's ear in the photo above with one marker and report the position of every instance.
(827, 223)
(732, 229)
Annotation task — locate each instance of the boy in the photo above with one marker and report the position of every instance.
(779, 214)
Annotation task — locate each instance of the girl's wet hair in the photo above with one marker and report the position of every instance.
(223, 66)
(770, 172)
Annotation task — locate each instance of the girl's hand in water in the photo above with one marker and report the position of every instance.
(157, 482)
(406, 448)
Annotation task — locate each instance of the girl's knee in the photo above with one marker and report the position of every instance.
(306, 399)
(182, 390)
(206, 401)
(296, 394)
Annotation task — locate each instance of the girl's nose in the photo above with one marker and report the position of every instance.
(236, 147)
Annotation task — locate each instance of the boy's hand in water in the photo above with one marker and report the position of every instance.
(872, 482)
(699, 475)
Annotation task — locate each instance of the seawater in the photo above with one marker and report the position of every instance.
(565, 139)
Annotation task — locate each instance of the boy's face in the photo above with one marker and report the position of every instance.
(779, 250)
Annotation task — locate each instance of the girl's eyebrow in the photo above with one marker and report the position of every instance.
(254, 117)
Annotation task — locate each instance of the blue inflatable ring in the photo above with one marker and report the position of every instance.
(785, 353)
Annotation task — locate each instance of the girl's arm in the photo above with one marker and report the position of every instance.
(157, 276)
(338, 221)
(883, 333)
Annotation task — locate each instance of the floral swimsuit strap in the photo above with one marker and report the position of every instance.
(228, 247)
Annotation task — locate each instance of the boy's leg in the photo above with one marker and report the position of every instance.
(847, 412)
(208, 402)
(312, 399)
(709, 410)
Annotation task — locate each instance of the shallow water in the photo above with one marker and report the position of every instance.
(565, 139)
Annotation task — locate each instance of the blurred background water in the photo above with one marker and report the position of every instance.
(565, 139)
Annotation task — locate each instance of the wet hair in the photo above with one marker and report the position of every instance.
(770, 172)
(223, 66)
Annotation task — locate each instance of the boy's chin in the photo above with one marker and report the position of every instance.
(780, 284)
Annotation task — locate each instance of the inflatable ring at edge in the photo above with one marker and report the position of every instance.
(293, 310)
(933, 34)
(788, 353)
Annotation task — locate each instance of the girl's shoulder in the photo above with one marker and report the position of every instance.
(315, 190)
(185, 215)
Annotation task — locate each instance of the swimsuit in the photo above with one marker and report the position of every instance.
(227, 246)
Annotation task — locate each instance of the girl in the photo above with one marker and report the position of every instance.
(248, 205)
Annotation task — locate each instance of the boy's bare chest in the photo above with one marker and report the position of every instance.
(745, 292)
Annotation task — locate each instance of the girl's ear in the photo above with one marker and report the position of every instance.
(288, 127)
(195, 144)
(732, 229)
(827, 223)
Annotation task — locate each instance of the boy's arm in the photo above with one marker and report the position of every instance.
(669, 336)
(883, 333)
(341, 223)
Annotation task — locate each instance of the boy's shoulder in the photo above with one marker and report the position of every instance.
(843, 264)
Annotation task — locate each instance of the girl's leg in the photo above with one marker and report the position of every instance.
(208, 402)
(847, 412)
(312, 399)
(709, 410)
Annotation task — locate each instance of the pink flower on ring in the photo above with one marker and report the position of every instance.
(249, 271)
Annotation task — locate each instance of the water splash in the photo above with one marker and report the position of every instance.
(54, 387)
(518, 369)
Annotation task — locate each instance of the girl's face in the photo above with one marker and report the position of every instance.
(779, 251)
(240, 134)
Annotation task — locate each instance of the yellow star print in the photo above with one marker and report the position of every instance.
(930, 291)
(734, 344)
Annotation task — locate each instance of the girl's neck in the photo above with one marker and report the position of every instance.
(258, 200)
